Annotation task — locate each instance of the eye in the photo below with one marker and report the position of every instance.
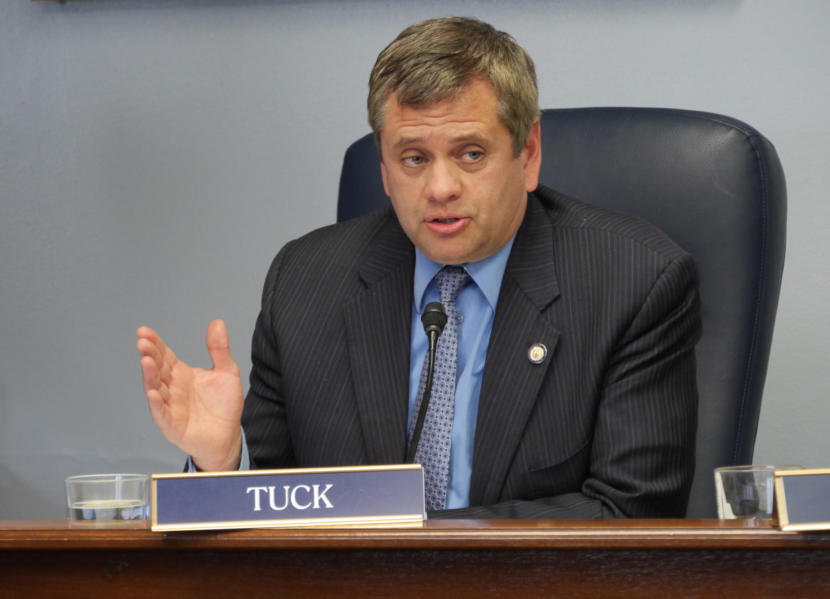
(413, 160)
(472, 155)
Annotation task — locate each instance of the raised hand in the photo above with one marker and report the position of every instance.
(198, 410)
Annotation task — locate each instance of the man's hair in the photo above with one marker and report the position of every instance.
(436, 59)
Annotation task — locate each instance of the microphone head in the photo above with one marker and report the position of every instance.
(434, 318)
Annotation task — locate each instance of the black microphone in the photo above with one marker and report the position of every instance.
(434, 318)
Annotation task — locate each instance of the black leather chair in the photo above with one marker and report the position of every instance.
(715, 185)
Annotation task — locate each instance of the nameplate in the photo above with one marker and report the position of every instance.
(802, 499)
(335, 497)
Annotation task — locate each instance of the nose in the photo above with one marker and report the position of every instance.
(443, 181)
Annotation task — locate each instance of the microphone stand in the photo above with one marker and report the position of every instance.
(434, 318)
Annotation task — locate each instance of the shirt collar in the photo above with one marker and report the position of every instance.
(487, 274)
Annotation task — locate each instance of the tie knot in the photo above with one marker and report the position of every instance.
(450, 280)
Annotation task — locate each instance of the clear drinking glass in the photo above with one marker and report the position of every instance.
(746, 491)
(107, 497)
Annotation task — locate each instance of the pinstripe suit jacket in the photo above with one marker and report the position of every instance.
(604, 427)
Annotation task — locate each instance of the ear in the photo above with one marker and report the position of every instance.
(383, 176)
(531, 156)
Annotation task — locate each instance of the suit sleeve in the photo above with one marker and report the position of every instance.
(264, 415)
(641, 455)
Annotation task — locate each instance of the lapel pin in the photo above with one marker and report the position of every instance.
(537, 353)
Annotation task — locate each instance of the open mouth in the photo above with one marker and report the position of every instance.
(449, 225)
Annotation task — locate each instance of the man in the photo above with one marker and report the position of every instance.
(572, 388)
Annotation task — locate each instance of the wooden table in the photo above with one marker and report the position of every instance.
(498, 558)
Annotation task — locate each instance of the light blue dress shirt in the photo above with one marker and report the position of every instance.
(476, 304)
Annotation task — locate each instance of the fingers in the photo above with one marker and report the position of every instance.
(147, 350)
(219, 346)
(155, 392)
(156, 361)
(159, 411)
(150, 375)
(149, 334)
(150, 344)
(157, 364)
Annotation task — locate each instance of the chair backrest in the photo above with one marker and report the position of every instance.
(713, 184)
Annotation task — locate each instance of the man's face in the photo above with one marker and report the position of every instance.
(458, 191)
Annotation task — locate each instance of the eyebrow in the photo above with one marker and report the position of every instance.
(469, 138)
(406, 141)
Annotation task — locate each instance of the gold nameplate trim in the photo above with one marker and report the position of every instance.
(408, 521)
(784, 509)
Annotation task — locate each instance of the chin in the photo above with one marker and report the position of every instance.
(448, 253)
(449, 258)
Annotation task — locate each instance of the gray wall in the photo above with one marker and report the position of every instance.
(155, 154)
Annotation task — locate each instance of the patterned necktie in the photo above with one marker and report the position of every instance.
(433, 451)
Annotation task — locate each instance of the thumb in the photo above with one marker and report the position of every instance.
(219, 346)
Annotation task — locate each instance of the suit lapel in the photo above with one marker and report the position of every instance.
(511, 381)
(378, 323)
